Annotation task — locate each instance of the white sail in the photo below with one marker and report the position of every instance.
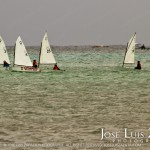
(3, 52)
(46, 54)
(130, 52)
(21, 56)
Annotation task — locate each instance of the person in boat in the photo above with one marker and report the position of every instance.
(34, 63)
(56, 67)
(138, 65)
(143, 46)
(5, 64)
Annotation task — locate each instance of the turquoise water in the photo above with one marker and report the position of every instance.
(72, 106)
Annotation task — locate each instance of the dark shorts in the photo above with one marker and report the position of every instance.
(6, 65)
(35, 66)
(138, 68)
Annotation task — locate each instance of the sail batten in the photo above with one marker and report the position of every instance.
(130, 51)
(46, 54)
(3, 52)
(21, 56)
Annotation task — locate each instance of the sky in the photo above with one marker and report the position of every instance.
(75, 22)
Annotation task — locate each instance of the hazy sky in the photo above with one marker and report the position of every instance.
(75, 22)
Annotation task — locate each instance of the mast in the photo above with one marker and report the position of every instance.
(125, 55)
(39, 55)
(14, 55)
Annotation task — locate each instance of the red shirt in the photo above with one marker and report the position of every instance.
(34, 63)
(56, 68)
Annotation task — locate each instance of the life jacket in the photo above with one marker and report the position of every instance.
(56, 68)
(34, 63)
(138, 66)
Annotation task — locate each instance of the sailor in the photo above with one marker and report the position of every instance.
(5, 64)
(56, 67)
(143, 46)
(34, 63)
(138, 65)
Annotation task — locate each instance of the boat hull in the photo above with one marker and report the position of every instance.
(25, 69)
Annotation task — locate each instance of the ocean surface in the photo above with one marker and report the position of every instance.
(69, 109)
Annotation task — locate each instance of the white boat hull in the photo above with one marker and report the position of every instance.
(25, 69)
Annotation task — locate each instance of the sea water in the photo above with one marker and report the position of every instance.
(70, 109)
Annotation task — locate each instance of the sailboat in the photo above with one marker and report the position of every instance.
(22, 61)
(46, 56)
(3, 52)
(130, 51)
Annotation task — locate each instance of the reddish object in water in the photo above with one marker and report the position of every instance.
(55, 67)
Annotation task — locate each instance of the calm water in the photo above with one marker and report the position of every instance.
(71, 107)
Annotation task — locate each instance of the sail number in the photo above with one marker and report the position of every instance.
(4, 50)
(48, 50)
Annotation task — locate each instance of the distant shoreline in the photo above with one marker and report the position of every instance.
(81, 46)
(75, 45)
